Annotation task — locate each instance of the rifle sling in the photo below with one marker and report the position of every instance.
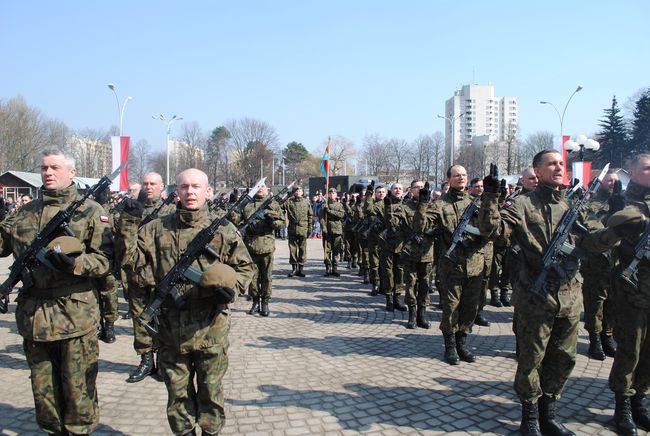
(61, 291)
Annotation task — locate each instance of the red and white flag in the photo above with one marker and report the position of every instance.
(120, 146)
(582, 172)
(558, 144)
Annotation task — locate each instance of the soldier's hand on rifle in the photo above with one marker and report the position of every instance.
(270, 219)
(371, 186)
(628, 222)
(491, 182)
(617, 200)
(222, 280)
(133, 207)
(388, 200)
(503, 188)
(62, 252)
(425, 193)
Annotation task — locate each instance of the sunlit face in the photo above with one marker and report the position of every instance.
(153, 185)
(477, 189)
(640, 173)
(414, 190)
(529, 180)
(298, 193)
(458, 179)
(263, 192)
(192, 189)
(55, 172)
(134, 190)
(551, 170)
(397, 190)
(380, 193)
(608, 182)
(332, 195)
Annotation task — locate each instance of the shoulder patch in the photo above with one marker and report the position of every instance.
(103, 218)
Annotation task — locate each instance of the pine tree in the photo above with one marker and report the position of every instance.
(613, 137)
(641, 124)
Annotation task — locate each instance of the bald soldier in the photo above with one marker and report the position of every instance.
(194, 337)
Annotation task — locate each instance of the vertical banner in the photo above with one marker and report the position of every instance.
(558, 144)
(120, 146)
(582, 172)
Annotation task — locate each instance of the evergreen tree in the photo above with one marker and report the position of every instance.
(641, 124)
(613, 137)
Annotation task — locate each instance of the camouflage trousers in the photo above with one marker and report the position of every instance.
(391, 273)
(598, 305)
(63, 375)
(260, 286)
(351, 245)
(373, 262)
(194, 388)
(416, 282)
(630, 372)
(297, 250)
(138, 300)
(547, 351)
(332, 248)
(107, 287)
(459, 295)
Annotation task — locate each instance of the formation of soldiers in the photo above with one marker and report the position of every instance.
(472, 241)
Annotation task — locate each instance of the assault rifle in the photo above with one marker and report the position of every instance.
(462, 228)
(641, 251)
(154, 213)
(34, 255)
(280, 198)
(183, 268)
(555, 252)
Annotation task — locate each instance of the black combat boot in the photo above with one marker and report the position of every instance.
(529, 420)
(334, 271)
(609, 345)
(328, 270)
(411, 322)
(640, 412)
(375, 289)
(109, 333)
(623, 416)
(264, 310)
(422, 318)
(293, 271)
(143, 370)
(349, 264)
(480, 320)
(505, 298)
(398, 304)
(366, 279)
(547, 422)
(494, 298)
(595, 347)
(451, 355)
(389, 304)
(461, 346)
(354, 264)
(255, 308)
(300, 272)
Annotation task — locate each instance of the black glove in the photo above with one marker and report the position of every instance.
(224, 295)
(371, 186)
(60, 261)
(503, 188)
(269, 219)
(617, 200)
(133, 207)
(491, 182)
(425, 193)
(388, 201)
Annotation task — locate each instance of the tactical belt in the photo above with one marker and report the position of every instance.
(61, 291)
(198, 304)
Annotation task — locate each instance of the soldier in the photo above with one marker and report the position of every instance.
(476, 190)
(547, 331)
(139, 283)
(597, 272)
(349, 236)
(629, 378)
(461, 279)
(134, 189)
(331, 223)
(194, 337)
(58, 316)
(362, 243)
(391, 242)
(299, 214)
(373, 209)
(260, 241)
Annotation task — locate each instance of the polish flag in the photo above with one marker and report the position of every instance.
(558, 144)
(120, 146)
(582, 172)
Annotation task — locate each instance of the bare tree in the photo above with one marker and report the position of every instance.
(216, 159)
(252, 143)
(139, 156)
(533, 144)
(511, 140)
(375, 155)
(472, 158)
(439, 170)
(341, 151)
(398, 150)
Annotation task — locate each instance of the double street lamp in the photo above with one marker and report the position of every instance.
(561, 117)
(120, 112)
(168, 123)
(581, 143)
(452, 122)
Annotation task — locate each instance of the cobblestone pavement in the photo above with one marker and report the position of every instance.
(329, 360)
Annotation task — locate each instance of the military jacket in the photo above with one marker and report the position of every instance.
(260, 236)
(420, 240)
(299, 214)
(41, 317)
(152, 204)
(201, 323)
(331, 218)
(348, 219)
(395, 221)
(597, 209)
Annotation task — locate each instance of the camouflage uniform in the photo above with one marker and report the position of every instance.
(107, 287)
(349, 237)
(58, 317)
(373, 209)
(299, 214)
(331, 223)
(362, 243)
(392, 271)
(194, 338)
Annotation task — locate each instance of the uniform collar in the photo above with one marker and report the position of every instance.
(637, 192)
(456, 194)
(548, 194)
(154, 201)
(59, 196)
(193, 218)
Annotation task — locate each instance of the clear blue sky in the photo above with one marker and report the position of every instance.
(313, 69)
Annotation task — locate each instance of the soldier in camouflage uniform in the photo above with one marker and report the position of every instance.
(373, 209)
(547, 331)
(193, 338)
(597, 271)
(476, 190)
(58, 317)
(140, 290)
(299, 214)
(362, 243)
(331, 223)
(629, 378)
(260, 241)
(349, 236)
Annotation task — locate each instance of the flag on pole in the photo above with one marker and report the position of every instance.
(558, 144)
(120, 146)
(325, 163)
(582, 172)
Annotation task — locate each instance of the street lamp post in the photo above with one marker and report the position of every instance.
(168, 123)
(561, 117)
(580, 144)
(120, 112)
(452, 121)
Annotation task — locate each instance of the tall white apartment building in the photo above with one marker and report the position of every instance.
(475, 112)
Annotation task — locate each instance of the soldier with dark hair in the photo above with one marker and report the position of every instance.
(331, 223)
(299, 214)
